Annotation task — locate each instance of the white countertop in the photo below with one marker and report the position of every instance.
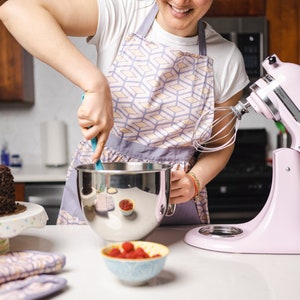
(188, 272)
(39, 173)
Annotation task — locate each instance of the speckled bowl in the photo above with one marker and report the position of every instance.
(136, 271)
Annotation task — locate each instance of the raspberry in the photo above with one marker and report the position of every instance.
(114, 252)
(126, 204)
(129, 252)
(127, 246)
(131, 255)
(122, 254)
(141, 253)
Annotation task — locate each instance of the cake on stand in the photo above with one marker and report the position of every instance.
(12, 225)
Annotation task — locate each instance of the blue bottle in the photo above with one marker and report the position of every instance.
(4, 155)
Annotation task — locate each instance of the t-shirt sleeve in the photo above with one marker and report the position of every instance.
(230, 75)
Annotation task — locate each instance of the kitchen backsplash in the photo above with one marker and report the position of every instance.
(57, 98)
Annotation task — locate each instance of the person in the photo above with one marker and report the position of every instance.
(159, 69)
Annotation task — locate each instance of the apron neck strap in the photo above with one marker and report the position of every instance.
(145, 27)
(201, 38)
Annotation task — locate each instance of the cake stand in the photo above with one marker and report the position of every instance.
(12, 225)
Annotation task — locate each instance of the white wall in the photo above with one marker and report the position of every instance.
(57, 98)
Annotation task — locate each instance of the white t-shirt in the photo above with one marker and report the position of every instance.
(117, 18)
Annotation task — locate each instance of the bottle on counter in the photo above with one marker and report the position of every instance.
(284, 139)
(16, 161)
(5, 157)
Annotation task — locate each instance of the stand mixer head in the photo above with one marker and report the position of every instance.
(275, 96)
(276, 228)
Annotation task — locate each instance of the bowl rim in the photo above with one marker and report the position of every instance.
(119, 244)
(157, 167)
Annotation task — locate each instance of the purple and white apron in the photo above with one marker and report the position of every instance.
(155, 112)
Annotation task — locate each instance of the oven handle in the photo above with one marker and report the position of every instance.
(45, 201)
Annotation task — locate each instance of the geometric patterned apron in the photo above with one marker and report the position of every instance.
(155, 111)
(163, 96)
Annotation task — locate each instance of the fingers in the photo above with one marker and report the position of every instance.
(101, 141)
(90, 132)
(95, 118)
(182, 188)
(85, 124)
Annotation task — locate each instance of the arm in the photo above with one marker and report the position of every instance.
(206, 168)
(41, 27)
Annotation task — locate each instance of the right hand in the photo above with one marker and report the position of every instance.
(182, 187)
(95, 117)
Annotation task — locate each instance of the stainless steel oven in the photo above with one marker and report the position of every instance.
(250, 34)
(49, 195)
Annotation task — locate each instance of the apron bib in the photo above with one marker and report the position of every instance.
(164, 94)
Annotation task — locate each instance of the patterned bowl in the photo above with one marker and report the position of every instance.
(136, 271)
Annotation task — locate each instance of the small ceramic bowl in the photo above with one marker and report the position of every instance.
(136, 271)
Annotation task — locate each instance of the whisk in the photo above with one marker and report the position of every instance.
(223, 129)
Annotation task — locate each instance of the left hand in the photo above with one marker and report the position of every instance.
(182, 187)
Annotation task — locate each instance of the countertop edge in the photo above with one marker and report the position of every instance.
(39, 173)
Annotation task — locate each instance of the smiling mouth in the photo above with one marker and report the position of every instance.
(181, 11)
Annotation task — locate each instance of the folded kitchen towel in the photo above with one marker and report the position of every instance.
(22, 264)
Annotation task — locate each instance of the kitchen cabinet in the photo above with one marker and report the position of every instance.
(231, 8)
(16, 72)
(20, 191)
(284, 33)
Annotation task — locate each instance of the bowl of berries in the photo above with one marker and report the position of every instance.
(126, 207)
(135, 262)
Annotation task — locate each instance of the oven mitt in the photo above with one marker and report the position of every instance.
(22, 264)
(32, 288)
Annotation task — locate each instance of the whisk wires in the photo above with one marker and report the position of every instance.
(221, 133)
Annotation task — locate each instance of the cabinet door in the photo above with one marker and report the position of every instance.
(20, 191)
(230, 8)
(16, 71)
(284, 25)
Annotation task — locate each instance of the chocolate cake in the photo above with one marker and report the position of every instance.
(8, 203)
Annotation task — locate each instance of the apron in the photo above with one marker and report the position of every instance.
(156, 108)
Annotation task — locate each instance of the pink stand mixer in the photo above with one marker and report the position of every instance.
(275, 230)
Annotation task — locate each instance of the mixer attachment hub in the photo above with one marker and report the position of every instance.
(220, 230)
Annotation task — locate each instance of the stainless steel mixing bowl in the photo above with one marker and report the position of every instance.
(101, 192)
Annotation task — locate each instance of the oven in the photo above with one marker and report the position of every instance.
(48, 195)
(241, 190)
